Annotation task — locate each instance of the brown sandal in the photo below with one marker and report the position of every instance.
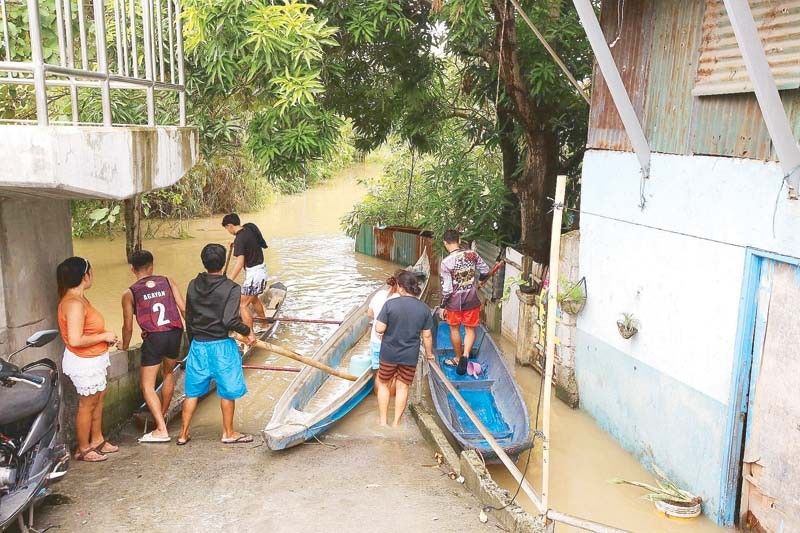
(99, 448)
(83, 455)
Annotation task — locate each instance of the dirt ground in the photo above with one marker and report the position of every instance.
(360, 479)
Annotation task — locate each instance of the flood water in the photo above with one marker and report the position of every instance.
(325, 279)
(583, 458)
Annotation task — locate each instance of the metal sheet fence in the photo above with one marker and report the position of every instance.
(401, 245)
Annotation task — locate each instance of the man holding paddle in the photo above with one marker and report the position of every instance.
(248, 245)
(212, 312)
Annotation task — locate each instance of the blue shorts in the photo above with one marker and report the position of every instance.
(375, 352)
(218, 360)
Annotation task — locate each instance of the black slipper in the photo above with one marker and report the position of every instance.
(461, 369)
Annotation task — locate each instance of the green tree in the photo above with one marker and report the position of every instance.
(256, 82)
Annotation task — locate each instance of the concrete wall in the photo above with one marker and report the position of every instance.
(34, 238)
(677, 265)
(94, 162)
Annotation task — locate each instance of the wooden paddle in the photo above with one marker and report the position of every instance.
(228, 259)
(273, 368)
(301, 358)
(270, 320)
(491, 273)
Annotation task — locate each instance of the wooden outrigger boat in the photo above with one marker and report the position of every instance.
(316, 400)
(494, 396)
(272, 299)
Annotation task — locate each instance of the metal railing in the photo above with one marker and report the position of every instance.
(129, 35)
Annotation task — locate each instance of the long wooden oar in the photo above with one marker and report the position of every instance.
(228, 259)
(270, 367)
(270, 320)
(301, 358)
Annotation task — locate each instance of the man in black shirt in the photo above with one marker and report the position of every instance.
(248, 245)
(212, 311)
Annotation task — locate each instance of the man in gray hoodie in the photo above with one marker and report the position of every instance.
(212, 311)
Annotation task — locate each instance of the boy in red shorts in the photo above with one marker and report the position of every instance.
(459, 272)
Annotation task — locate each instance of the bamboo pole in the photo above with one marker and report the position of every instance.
(550, 333)
(301, 358)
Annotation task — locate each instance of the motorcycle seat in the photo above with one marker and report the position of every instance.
(22, 400)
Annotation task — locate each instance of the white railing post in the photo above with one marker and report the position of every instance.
(37, 56)
(148, 61)
(181, 76)
(102, 60)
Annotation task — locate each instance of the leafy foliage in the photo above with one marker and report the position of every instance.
(463, 189)
(257, 84)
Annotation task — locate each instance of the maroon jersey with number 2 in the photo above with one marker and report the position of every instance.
(154, 305)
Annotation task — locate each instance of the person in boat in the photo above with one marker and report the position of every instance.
(375, 305)
(400, 323)
(248, 251)
(212, 312)
(157, 304)
(86, 360)
(459, 272)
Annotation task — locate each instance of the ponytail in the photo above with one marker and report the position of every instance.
(408, 282)
(70, 273)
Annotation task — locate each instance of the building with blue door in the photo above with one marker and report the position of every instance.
(696, 236)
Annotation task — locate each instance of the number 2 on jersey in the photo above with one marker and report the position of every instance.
(161, 310)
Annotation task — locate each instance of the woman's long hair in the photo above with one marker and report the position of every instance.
(408, 282)
(70, 273)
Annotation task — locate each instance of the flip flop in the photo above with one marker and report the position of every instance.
(81, 456)
(450, 362)
(462, 366)
(474, 369)
(182, 442)
(241, 439)
(149, 437)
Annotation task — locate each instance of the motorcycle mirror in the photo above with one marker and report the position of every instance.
(40, 338)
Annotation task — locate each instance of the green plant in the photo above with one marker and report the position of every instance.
(628, 325)
(510, 283)
(571, 296)
(664, 490)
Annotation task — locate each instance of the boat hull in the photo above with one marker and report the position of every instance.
(292, 423)
(494, 397)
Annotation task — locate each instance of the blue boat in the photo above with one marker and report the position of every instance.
(316, 400)
(494, 397)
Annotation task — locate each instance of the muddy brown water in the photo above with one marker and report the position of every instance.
(326, 278)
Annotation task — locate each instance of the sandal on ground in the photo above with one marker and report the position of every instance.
(106, 447)
(462, 366)
(182, 442)
(241, 439)
(149, 437)
(86, 456)
(450, 361)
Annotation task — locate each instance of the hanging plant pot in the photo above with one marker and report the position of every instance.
(679, 509)
(527, 289)
(628, 326)
(572, 299)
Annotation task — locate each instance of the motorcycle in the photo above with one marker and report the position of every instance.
(31, 453)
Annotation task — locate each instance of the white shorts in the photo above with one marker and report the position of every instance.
(88, 374)
(255, 280)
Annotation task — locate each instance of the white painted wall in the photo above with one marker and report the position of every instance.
(94, 162)
(678, 264)
(510, 311)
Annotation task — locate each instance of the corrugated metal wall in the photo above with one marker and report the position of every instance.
(721, 69)
(397, 244)
(658, 53)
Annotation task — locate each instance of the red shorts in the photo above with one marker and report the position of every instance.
(467, 317)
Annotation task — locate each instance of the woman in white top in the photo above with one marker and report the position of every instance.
(375, 306)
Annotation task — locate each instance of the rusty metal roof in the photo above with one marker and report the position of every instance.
(721, 69)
